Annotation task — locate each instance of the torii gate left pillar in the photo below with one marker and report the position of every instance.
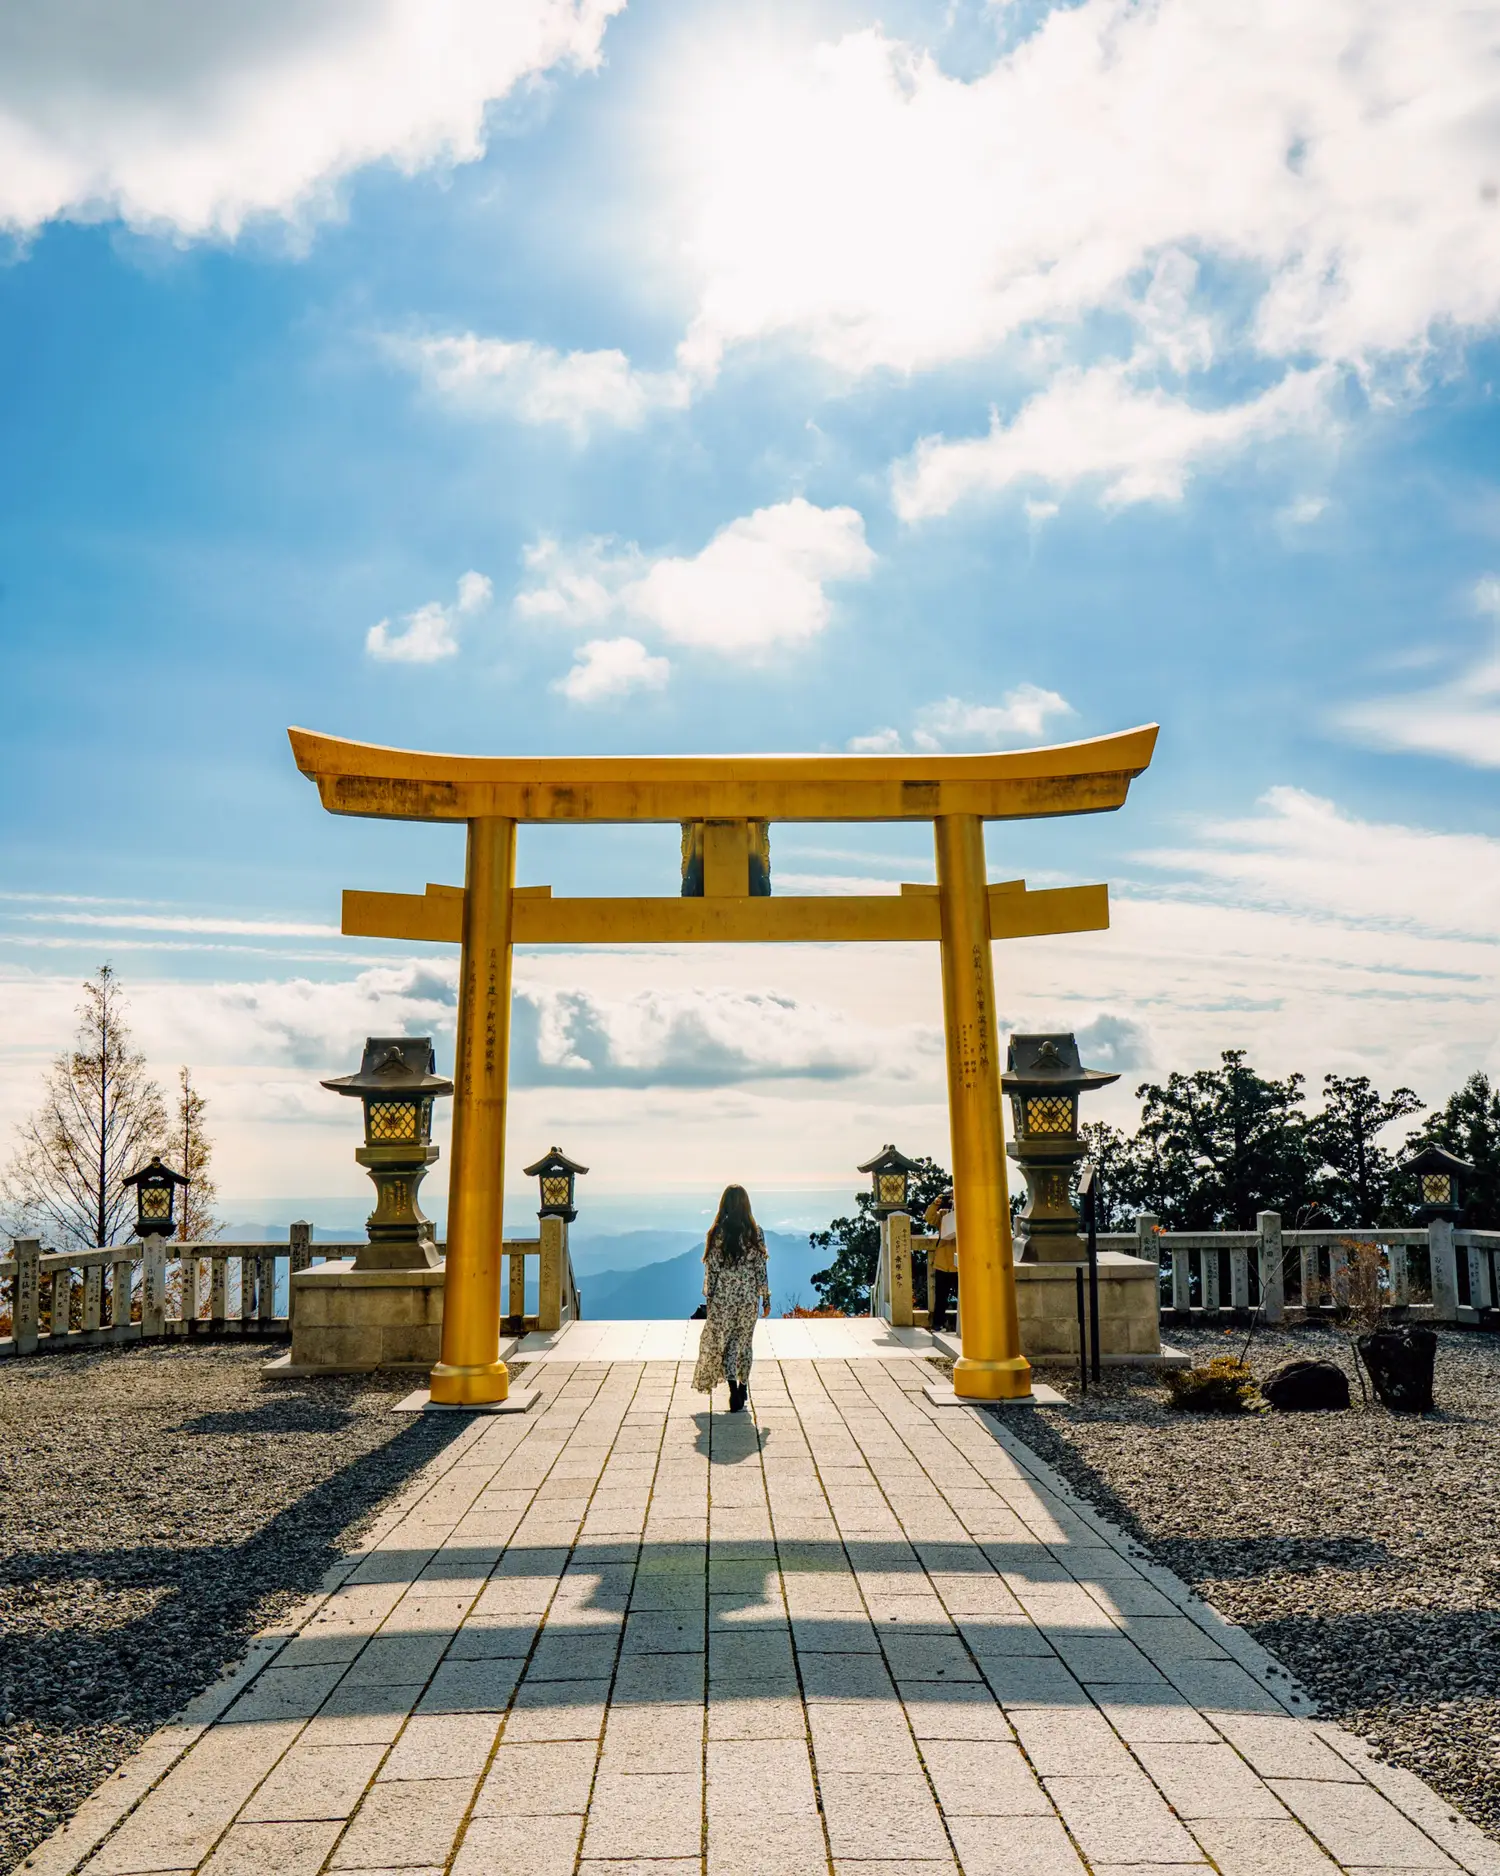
(470, 1371)
(730, 796)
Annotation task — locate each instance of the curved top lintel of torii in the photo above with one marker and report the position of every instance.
(1089, 777)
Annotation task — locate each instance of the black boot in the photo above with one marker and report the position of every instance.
(737, 1393)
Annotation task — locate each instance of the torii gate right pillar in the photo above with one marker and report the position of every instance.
(991, 1366)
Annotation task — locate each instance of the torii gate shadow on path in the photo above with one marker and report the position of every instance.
(731, 799)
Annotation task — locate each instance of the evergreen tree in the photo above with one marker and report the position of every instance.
(1120, 1183)
(192, 1153)
(101, 1118)
(855, 1243)
(1221, 1144)
(1357, 1172)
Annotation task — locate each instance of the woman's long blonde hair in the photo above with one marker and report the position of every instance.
(738, 1233)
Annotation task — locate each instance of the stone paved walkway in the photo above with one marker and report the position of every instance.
(853, 1634)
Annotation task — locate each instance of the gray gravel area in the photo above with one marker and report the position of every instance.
(160, 1505)
(1361, 1548)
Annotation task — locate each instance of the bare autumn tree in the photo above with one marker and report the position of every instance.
(191, 1155)
(100, 1119)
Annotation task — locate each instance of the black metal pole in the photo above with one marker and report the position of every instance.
(1083, 1360)
(1093, 1224)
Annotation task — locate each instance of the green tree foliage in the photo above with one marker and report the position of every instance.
(101, 1117)
(1356, 1173)
(855, 1243)
(1468, 1124)
(1221, 1144)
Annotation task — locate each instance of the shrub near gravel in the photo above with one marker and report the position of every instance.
(1361, 1548)
(160, 1505)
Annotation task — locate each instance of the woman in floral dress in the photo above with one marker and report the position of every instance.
(736, 1286)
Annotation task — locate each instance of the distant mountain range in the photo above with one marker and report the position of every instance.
(628, 1276)
(672, 1287)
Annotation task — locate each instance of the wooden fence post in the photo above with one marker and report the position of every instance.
(154, 1286)
(549, 1283)
(1444, 1270)
(299, 1237)
(121, 1288)
(895, 1232)
(26, 1310)
(1396, 1263)
(1272, 1273)
(93, 1296)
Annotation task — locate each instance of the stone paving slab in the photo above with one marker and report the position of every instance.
(848, 1633)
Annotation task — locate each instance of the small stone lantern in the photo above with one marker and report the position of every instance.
(397, 1084)
(890, 1180)
(1441, 1177)
(556, 1175)
(155, 1199)
(1044, 1078)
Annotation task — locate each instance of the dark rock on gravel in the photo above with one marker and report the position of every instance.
(1361, 1548)
(160, 1505)
(1306, 1387)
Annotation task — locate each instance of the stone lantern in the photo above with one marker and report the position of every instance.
(890, 1180)
(1441, 1179)
(397, 1085)
(155, 1199)
(1044, 1078)
(557, 1178)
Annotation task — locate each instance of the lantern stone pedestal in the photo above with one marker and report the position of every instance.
(1129, 1311)
(348, 1321)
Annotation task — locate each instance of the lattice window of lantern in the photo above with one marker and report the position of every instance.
(1049, 1113)
(393, 1120)
(1437, 1189)
(555, 1189)
(892, 1188)
(156, 1202)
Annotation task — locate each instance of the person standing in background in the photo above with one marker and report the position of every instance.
(941, 1219)
(737, 1289)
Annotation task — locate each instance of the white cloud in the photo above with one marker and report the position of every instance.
(692, 1037)
(1139, 441)
(759, 584)
(196, 119)
(539, 385)
(1459, 719)
(431, 631)
(1341, 160)
(607, 668)
(1305, 855)
(1305, 510)
(1023, 712)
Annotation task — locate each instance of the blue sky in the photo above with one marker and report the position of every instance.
(577, 378)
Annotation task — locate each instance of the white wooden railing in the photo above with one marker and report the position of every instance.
(1441, 1273)
(145, 1291)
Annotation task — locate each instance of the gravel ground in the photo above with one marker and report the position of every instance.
(160, 1505)
(1361, 1548)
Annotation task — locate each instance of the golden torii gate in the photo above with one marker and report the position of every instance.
(732, 799)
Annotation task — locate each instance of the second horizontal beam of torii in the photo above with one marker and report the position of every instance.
(913, 916)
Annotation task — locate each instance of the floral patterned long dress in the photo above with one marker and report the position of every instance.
(735, 1292)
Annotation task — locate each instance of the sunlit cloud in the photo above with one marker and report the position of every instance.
(1459, 720)
(199, 126)
(536, 384)
(431, 632)
(760, 583)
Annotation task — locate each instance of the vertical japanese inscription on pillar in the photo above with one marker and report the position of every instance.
(981, 1008)
(491, 1010)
